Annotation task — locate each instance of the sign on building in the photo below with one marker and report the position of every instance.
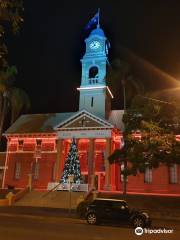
(84, 134)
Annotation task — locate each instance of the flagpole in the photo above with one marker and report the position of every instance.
(98, 17)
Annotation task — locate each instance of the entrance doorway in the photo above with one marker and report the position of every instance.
(99, 181)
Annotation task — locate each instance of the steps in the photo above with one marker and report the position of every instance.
(55, 199)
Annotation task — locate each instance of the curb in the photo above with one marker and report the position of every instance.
(58, 212)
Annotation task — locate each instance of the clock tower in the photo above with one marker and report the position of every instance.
(95, 95)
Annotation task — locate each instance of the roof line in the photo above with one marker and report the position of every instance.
(78, 113)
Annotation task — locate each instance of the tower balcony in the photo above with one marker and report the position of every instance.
(93, 80)
(96, 80)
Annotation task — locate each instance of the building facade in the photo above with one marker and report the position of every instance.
(2, 166)
(37, 144)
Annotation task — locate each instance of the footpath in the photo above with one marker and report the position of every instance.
(39, 211)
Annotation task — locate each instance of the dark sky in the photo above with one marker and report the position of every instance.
(47, 52)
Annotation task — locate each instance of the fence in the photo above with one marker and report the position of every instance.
(66, 187)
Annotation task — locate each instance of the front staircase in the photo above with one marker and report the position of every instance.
(55, 199)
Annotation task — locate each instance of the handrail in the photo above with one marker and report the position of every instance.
(54, 188)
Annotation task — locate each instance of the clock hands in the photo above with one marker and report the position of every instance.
(94, 44)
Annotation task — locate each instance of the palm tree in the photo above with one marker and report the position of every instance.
(120, 77)
(122, 81)
(12, 99)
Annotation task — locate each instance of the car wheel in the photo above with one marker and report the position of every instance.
(138, 222)
(91, 218)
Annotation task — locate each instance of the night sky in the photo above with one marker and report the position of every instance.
(47, 51)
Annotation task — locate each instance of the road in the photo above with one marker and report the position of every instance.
(26, 227)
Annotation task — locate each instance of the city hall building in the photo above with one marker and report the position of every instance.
(38, 144)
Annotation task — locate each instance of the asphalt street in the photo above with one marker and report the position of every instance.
(30, 227)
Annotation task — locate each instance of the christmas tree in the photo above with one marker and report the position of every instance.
(72, 165)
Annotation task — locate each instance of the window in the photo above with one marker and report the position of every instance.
(92, 101)
(102, 167)
(119, 205)
(173, 174)
(37, 153)
(93, 72)
(35, 170)
(93, 75)
(38, 142)
(148, 175)
(20, 145)
(17, 170)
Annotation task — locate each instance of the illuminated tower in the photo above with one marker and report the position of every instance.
(95, 95)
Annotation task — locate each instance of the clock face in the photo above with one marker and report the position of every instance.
(94, 45)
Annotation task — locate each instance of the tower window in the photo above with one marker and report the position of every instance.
(92, 101)
(93, 75)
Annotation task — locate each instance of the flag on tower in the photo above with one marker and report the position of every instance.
(94, 20)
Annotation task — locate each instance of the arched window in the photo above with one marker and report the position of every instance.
(93, 75)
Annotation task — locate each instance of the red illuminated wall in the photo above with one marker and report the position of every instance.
(47, 159)
(27, 157)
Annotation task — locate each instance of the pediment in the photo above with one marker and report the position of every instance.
(84, 120)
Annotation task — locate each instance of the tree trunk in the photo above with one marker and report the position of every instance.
(125, 179)
(3, 113)
(1, 104)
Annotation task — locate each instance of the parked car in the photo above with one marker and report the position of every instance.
(114, 210)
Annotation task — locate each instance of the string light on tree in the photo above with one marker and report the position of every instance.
(72, 165)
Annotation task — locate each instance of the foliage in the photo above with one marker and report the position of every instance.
(150, 136)
(120, 76)
(12, 100)
(152, 116)
(72, 165)
(10, 21)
